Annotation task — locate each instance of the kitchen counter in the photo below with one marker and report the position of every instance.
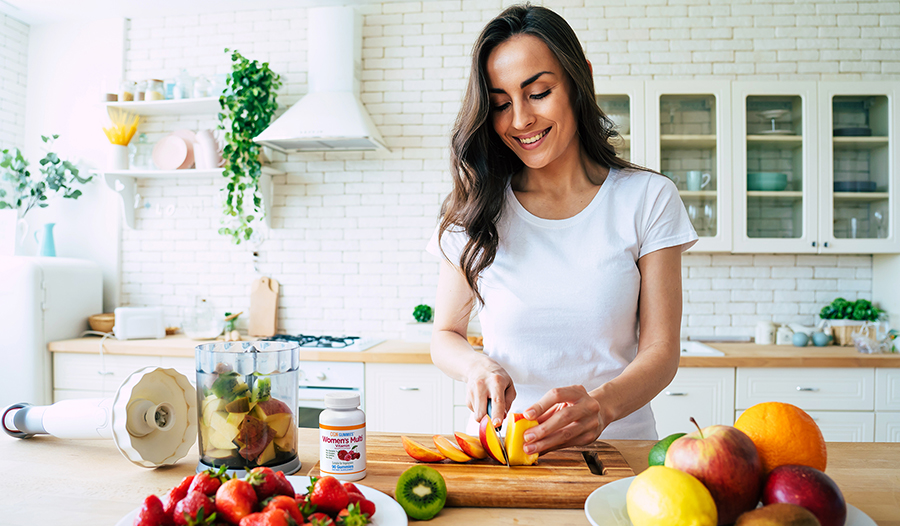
(398, 351)
(88, 482)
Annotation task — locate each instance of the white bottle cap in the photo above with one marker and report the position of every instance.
(341, 400)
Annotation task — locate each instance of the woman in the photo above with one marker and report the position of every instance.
(566, 248)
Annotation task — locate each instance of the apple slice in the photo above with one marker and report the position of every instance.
(420, 452)
(516, 424)
(449, 450)
(470, 445)
(490, 440)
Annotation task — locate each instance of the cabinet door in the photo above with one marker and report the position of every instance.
(408, 398)
(689, 140)
(887, 389)
(623, 102)
(859, 152)
(775, 167)
(842, 426)
(91, 373)
(887, 426)
(705, 393)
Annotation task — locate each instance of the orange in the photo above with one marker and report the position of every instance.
(783, 434)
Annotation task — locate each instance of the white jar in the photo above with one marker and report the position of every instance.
(342, 437)
(765, 333)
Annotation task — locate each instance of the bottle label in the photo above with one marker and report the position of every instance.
(342, 449)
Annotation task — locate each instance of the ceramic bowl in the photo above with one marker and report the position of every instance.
(102, 322)
(766, 181)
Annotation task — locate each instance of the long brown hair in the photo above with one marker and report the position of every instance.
(481, 164)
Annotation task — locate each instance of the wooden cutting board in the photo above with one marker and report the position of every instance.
(263, 307)
(560, 479)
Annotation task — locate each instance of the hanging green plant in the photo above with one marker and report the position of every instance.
(248, 105)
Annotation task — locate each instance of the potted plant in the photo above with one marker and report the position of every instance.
(420, 330)
(248, 105)
(846, 317)
(21, 191)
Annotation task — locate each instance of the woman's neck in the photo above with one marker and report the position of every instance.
(571, 173)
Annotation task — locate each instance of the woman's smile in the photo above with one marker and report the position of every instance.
(532, 141)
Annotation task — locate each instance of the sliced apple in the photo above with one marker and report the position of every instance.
(212, 452)
(219, 422)
(490, 440)
(288, 441)
(271, 407)
(267, 454)
(220, 441)
(235, 419)
(449, 450)
(280, 422)
(470, 445)
(420, 452)
(516, 425)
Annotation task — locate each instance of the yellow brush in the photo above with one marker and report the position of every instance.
(123, 126)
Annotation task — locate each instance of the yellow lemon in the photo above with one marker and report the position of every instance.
(667, 496)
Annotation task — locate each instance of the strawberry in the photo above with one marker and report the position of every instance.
(350, 487)
(272, 517)
(365, 506)
(152, 513)
(235, 499)
(194, 510)
(319, 519)
(284, 486)
(352, 516)
(329, 495)
(287, 504)
(207, 482)
(264, 482)
(176, 494)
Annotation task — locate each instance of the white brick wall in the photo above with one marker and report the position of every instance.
(13, 77)
(350, 228)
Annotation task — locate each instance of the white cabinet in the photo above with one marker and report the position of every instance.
(621, 100)
(842, 426)
(811, 389)
(705, 393)
(90, 376)
(689, 130)
(408, 398)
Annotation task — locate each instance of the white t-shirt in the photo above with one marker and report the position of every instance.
(561, 297)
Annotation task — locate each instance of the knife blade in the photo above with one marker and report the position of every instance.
(500, 437)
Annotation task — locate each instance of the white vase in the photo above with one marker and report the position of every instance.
(13, 230)
(118, 157)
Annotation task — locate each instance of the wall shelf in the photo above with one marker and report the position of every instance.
(123, 182)
(202, 105)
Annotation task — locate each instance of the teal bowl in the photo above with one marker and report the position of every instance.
(766, 181)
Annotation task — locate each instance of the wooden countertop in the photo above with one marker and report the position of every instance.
(398, 351)
(88, 482)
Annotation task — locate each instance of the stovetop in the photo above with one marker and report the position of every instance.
(329, 343)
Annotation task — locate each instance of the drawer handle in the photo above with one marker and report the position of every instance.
(105, 373)
(670, 393)
(812, 389)
(408, 388)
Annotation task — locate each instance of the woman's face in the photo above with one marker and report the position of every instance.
(530, 100)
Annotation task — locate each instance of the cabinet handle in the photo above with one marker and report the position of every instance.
(813, 243)
(105, 373)
(807, 388)
(826, 244)
(408, 388)
(670, 393)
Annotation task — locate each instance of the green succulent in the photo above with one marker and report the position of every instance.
(423, 313)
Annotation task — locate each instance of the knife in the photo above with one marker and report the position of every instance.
(501, 440)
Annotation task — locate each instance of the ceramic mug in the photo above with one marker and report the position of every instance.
(697, 180)
(675, 179)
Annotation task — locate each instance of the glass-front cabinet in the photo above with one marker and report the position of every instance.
(688, 140)
(859, 151)
(623, 103)
(775, 167)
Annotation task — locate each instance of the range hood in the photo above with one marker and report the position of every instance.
(330, 116)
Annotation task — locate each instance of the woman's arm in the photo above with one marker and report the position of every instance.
(451, 352)
(572, 416)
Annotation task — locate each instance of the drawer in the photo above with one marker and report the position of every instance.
(829, 389)
(408, 398)
(887, 426)
(842, 426)
(83, 371)
(705, 393)
(887, 389)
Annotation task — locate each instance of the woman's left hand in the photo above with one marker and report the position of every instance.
(567, 416)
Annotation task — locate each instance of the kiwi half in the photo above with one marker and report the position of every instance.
(421, 492)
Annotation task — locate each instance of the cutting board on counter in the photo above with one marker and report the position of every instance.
(560, 479)
(263, 307)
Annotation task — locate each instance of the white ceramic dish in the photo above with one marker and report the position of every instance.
(606, 507)
(387, 511)
(189, 139)
(170, 152)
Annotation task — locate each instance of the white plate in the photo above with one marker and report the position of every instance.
(387, 511)
(606, 507)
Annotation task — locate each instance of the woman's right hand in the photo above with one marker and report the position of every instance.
(485, 380)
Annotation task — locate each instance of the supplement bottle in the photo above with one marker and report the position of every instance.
(342, 437)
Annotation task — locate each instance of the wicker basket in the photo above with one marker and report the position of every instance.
(102, 322)
(843, 334)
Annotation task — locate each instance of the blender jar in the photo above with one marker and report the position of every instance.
(247, 398)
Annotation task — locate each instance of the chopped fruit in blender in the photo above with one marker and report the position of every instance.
(262, 390)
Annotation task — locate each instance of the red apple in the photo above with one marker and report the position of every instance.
(808, 487)
(725, 460)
